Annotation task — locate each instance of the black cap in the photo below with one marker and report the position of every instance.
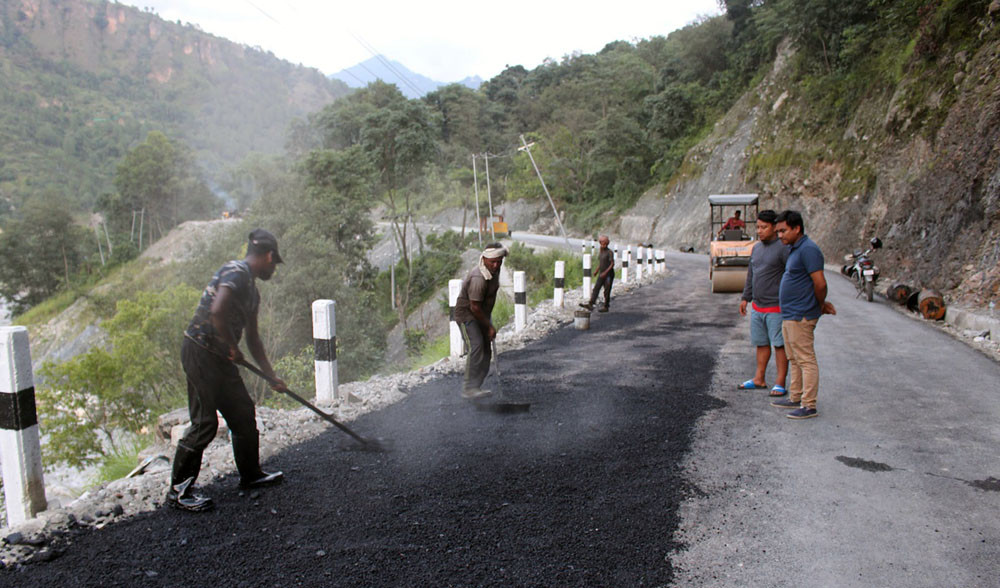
(262, 241)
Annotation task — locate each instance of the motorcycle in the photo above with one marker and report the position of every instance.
(862, 270)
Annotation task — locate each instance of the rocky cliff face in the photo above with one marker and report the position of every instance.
(921, 171)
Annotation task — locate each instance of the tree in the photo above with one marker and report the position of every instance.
(160, 178)
(41, 249)
(94, 401)
(321, 217)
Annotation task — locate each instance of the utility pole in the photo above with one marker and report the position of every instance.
(527, 148)
(475, 182)
(108, 237)
(489, 196)
(392, 274)
(99, 248)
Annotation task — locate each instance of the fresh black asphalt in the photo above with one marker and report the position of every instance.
(583, 490)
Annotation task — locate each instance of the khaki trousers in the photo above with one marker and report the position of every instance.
(803, 370)
(477, 362)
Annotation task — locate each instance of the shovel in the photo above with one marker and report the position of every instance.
(366, 444)
(500, 405)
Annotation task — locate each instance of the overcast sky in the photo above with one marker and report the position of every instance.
(445, 40)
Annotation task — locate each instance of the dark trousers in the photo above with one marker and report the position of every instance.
(606, 282)
(477, 362)
(214, 383)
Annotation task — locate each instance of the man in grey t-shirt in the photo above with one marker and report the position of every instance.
(472, 313)
(767, 265)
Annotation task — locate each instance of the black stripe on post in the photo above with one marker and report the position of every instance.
(520, 297)
(559, 282)
(325, 349)
(17, 410)
(451, 313)
(625, 263)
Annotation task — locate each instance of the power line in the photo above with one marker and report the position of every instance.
(375, 53)
(351, 73)
(260, 10)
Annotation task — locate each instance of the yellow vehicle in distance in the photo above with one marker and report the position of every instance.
(731, 242)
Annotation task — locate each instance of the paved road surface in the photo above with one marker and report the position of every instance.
(894, 484)
(581, 491)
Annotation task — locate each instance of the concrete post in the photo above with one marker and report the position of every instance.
(520, 301)
(455, 333)
(586, 276)
(325, 350)
(653, 262)
(20, 447)
(626, 256)
(557, 295)
(640, 262)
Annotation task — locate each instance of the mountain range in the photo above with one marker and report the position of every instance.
(410, 83)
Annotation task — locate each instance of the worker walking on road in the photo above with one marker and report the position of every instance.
(767, 265)
(228, 306)
(605, 274)
(473, 311)
(802, 296)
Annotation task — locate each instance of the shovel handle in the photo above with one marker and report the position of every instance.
(304, 402)
(496, 366)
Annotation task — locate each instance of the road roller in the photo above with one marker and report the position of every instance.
(733, 226)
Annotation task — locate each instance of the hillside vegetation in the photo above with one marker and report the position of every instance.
(83, 81)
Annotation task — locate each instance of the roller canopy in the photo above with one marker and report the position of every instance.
(732, 199)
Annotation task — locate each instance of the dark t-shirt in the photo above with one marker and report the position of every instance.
(476, 287)
(605, 259)
(767, 265)
(236, 276)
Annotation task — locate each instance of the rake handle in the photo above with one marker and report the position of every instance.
(304, 402)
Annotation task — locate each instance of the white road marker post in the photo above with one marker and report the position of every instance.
(560, 280)
(520, 302)
(20, 446)
(455, 333)
(640, 262)
(586, 276)
(324, 318)
(626, 256)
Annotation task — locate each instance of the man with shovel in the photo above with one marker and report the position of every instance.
(209, 354)
(605, 273)
(472, 313)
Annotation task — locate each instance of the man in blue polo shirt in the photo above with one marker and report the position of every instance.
(802, 297)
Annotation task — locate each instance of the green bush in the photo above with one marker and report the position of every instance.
(416, 340)
(539, 270)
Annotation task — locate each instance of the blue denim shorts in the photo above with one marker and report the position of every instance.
(765, 329)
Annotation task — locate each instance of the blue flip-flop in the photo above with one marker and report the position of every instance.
(778, 391)
(750, 385)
